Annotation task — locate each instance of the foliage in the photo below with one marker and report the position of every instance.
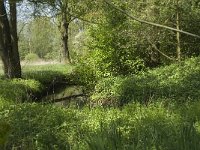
(179, 82)
(31, 57)
(111, 44)
(161, 124)
(43, 44)
(40, 127)
(148, 39)
(85, 73)
(4, 132)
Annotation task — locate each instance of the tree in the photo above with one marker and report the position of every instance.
(9, 40)
(166, 14)
(66, 11)
(112, 46)
(41, 37)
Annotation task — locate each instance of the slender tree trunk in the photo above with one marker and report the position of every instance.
(65, 39)
(9, 47)
(178, 48)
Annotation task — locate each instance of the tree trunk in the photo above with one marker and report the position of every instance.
(8, 43)
(178, 48)
(65, 37)
(14, 39)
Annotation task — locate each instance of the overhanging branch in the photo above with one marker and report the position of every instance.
(156, 48)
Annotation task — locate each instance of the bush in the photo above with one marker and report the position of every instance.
(4, 133)
(31, 57)
(84, 74)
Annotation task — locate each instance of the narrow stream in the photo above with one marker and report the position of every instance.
(67, 96)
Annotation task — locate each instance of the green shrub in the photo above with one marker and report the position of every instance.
(112, 46)
(31, 57)
(85, 75)
(4, 133)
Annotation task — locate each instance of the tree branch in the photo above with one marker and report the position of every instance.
(155, 47)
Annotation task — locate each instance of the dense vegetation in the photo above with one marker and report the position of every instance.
(136, 63)
(168, 120)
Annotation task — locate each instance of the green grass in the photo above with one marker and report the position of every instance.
(46, 73)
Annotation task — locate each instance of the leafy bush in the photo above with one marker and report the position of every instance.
(85, 74)
(31, 57)
(112, 45)
(4, 132)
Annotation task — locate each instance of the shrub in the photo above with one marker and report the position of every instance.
(31, 57)
(4, 133)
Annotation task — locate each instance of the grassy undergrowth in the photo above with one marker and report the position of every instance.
(34, 126)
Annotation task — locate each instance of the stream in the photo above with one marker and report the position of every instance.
(66, 95)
